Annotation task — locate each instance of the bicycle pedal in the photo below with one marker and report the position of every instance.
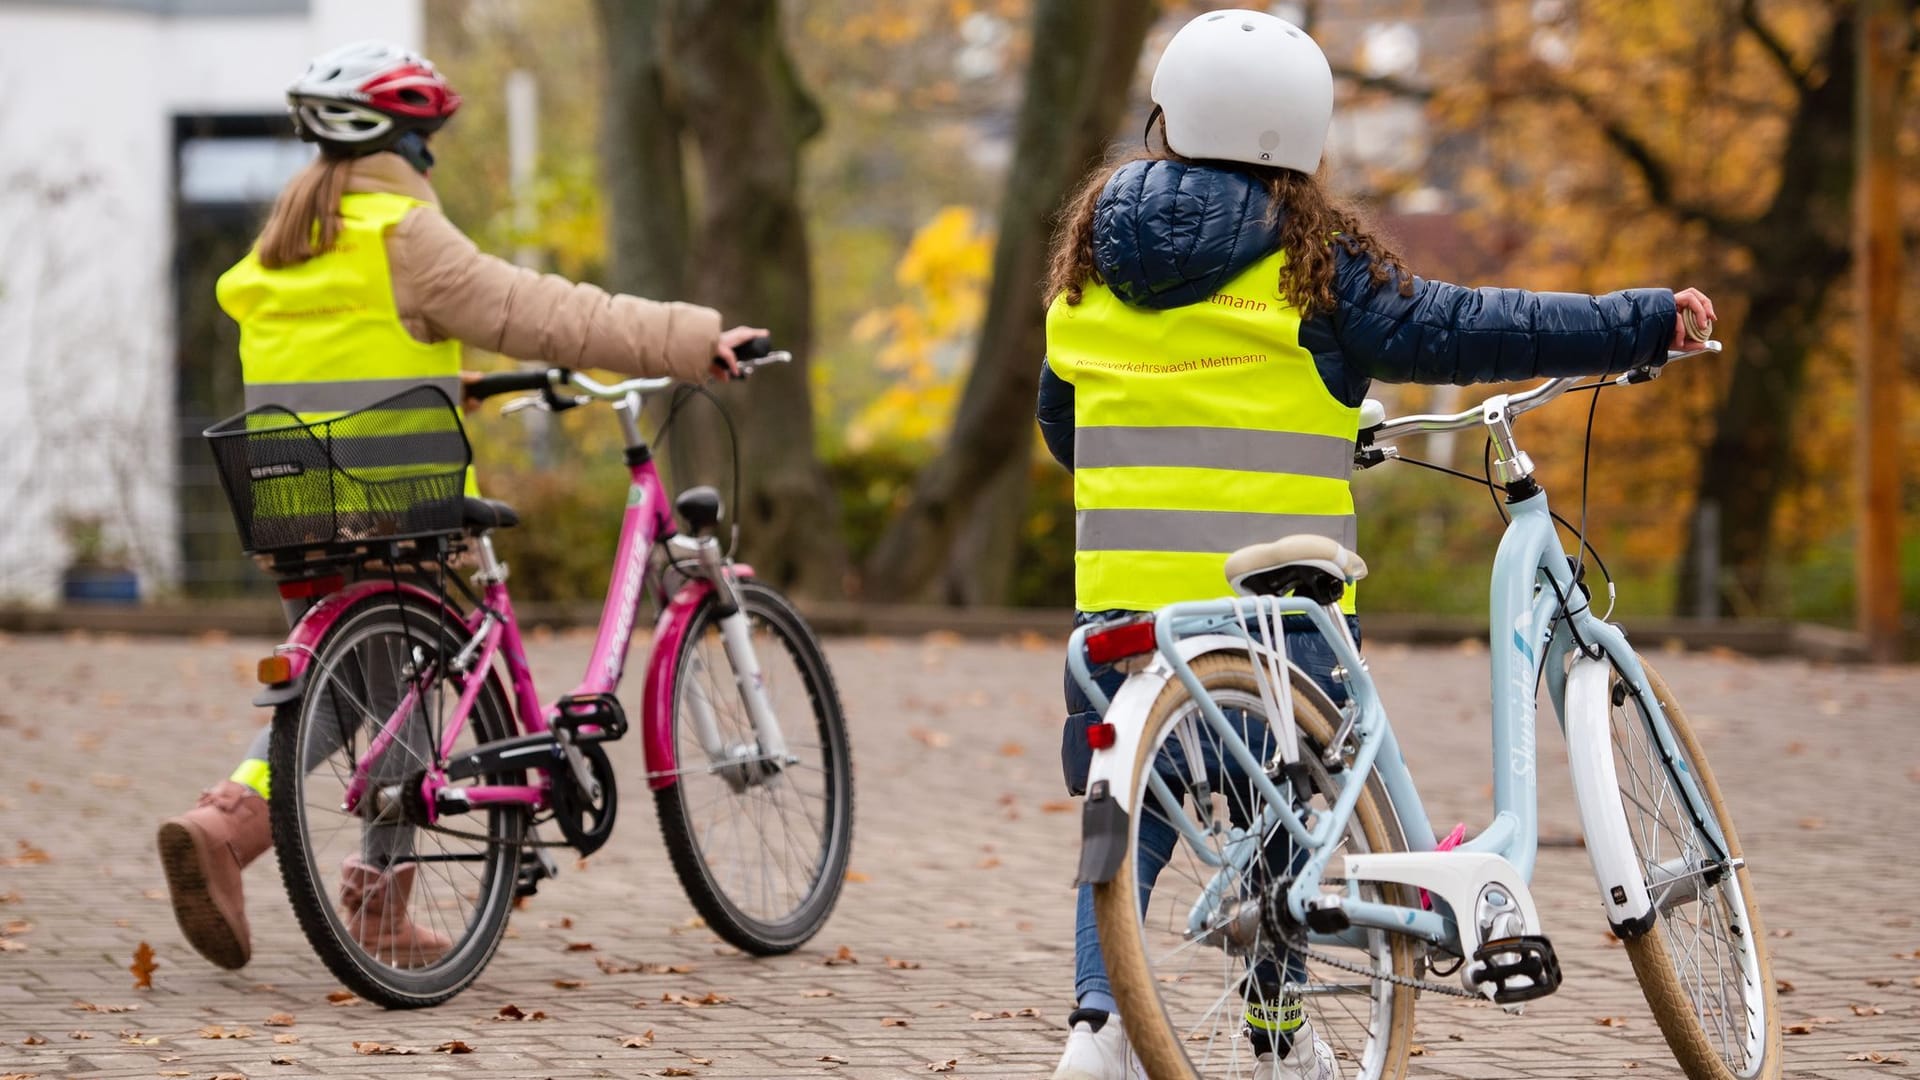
(1515, 969)
(591, 717)
(536, 866)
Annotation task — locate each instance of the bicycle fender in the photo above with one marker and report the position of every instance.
(306, 635)
(656, 703)
(1596, 788)
(1128, 714)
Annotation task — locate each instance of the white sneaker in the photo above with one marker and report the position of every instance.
(1099, 1055)
(1309, 1060)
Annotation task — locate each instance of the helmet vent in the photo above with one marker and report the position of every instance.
(1215, 18)
(1247, 26)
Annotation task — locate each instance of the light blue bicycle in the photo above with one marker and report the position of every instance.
(1293, 867)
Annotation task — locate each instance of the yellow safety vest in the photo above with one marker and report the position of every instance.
(324, 337)
(1197, 430)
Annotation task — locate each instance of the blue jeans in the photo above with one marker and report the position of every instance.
(1306, 648)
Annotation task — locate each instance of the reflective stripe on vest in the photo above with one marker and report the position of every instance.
(324, 337)
(1198, 430)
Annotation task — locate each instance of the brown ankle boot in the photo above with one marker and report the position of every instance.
(375, 906)
(202, 852)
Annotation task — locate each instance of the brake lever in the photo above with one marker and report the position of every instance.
(748, 367)
(521, 404)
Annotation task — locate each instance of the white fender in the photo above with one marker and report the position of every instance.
(1616, 866)
(1128, 710)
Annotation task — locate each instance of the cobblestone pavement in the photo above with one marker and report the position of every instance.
(964, 852)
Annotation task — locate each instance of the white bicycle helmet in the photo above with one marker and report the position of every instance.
(1245, 86)
(363, 97)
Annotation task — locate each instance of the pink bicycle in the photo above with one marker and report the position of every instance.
(409, 775)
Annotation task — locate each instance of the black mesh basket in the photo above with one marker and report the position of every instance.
(395, 470)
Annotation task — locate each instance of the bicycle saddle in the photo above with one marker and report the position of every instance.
(1316, 567)
(488, 514)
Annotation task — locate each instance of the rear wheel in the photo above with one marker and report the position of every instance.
(761, 845)
(1703, 965)
(1184, 990)
(403, 915)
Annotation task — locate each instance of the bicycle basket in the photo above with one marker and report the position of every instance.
(394, 470)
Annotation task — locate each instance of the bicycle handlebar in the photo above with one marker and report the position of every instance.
(549, 383)
(1514, 404)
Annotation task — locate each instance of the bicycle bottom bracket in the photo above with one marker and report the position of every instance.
(1516, 968)
(586, 821)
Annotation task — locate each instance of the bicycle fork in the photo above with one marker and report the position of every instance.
(740, 764)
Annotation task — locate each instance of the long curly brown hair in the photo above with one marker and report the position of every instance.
(1310, 220)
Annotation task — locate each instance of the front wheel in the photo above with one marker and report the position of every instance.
(1703, 965)
(760, 843)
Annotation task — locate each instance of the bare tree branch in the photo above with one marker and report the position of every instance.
(1654, 170)
(1769, 41)
(1399, 88)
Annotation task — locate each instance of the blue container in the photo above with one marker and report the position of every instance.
(98, 585)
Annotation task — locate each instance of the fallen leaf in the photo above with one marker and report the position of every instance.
(1781, 932)
(79, 1034)
(858, 877)
(1878, 1058)
(981, 1015)
(1867, 1010)
(637, 1042)
(816, 993)
(9, 897)
(1813, 823)
(938, 740)
(943, 1066)
(286, 1040)
(143, 967)
(893, 1021)
(643, 967)
(1058, 806)
(562, 923)
(989, 862)
(1012, 749)
(453, 1046)
(675, 1070)
(569, 984)
(898, 964)
(832, 1059)
(959, 924)
(25, 854)
(1612, 1021)
(1416, 1050)
(218, 1031)
(33, 1040)
(10, 945)
(340, 999)
(579, 946)
(713, 997)
(1878, 983)
(15, 927)
(279, 1020)
(843, 956)
(280, 1059)
(88, 1006)
(1783, 986)
(371, 1048)
(698, 1060)
(1796, 748)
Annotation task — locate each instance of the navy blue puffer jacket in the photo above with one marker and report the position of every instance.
(1171, 233)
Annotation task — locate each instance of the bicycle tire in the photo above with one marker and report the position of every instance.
(1655, 960)
(1160, 1046)
(308, 888)
(694, 859)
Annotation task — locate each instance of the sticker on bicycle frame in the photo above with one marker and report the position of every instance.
(276, 470)
(636, 495)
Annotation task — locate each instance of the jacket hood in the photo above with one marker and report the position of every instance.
(1171, 233)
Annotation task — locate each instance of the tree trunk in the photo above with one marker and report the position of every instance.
(1083, 58)
(751, 261)
(642, 169)
(1800, 249)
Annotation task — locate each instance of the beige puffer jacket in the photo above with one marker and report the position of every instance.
(446, 287)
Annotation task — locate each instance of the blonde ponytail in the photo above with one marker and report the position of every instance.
(306, 217)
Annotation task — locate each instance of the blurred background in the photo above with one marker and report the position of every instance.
(875, 180)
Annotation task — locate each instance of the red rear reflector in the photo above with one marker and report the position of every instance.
(301, 588)
(1120, 641)
(1100, 736)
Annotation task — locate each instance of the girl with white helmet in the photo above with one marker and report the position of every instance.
(358, 288)
(1215, 318)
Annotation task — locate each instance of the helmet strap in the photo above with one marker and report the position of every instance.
(1146, 133)
(413, 147)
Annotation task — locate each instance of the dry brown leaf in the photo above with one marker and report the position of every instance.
(143, 967)
(10, 945)
(938, 740)
(1813, 824)
(565, 922)
(15, 927)
(981, 1014)
(989, 862)
(898, 964)
(712, 997)
(698, 1060)
(843, 956)
(1058, 806)
(277, 1059)
(79, 1034)
(643, 967)
(1867, 1010)
(943, 1066)
(816, 993)
(1781, 932)
(340, 999)
(959, 924)
(859, 877)
(1796, 748)
(12, 896)
(1012, 749)
(1612, 1021)
(569, 984)
(88, 1006)
(579, 946)
(219, 1031)
(25, 854)
(33, 1040)
(453, 1046)
(894, 1021)
(1783, 986)
(832, 1059)
(1877, 1057)
(1879, 983)
(1416, 1050)
(637, 1042)
(279, 1020)
(371, 1048)
(286, 1040)
(675, 1070)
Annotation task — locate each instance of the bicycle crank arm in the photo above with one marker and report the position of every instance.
(535, 751)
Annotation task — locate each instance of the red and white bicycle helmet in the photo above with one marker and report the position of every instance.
(361, 98)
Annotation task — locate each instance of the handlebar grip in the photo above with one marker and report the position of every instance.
(754, 349)
(509, 382)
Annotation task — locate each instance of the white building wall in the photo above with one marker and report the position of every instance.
(87, 99)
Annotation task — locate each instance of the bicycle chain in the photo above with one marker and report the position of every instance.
(1447, 989)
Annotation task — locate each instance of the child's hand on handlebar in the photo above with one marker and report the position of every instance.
(725, 365)
(1693, 318)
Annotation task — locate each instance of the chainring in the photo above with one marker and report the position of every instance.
(585, 823)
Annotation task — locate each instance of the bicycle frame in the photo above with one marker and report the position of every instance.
(492, 631)
(1540, 619)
